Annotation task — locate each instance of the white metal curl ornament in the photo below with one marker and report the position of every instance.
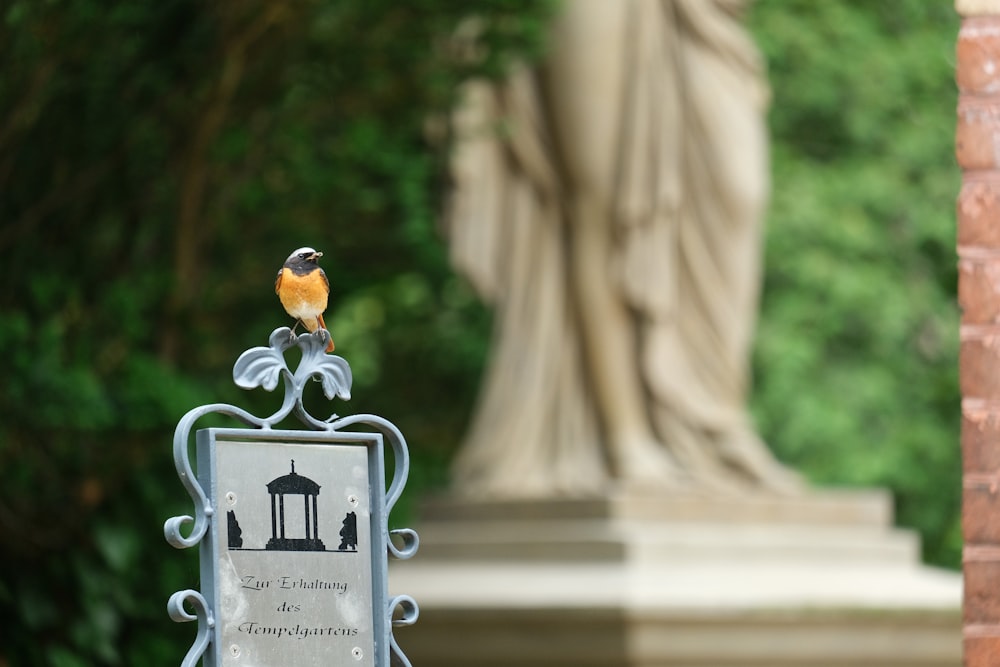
(266, 367)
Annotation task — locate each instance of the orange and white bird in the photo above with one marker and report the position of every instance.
(303, 289)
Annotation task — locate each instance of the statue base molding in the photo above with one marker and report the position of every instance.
(653, 579)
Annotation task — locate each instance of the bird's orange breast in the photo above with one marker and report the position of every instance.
(303, 296)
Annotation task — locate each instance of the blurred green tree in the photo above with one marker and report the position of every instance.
(856, 362)
(158, 161)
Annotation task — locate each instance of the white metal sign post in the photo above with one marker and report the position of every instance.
(292, 525)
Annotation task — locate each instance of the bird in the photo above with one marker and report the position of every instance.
(303, 289)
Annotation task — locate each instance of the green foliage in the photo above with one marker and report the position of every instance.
(856, 362)
(158, 161)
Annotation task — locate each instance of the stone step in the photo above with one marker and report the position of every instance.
(854, 507)
(706, 615)
(619, 541)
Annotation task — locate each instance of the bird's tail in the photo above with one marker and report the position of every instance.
(322, 324)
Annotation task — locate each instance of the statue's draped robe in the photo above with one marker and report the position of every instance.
(692, 185)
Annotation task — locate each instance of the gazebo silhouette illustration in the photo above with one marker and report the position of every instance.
(294, 484)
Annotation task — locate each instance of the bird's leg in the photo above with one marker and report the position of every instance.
(291, 334)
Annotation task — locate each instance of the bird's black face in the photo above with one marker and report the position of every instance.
(303, 261)
(310, 256)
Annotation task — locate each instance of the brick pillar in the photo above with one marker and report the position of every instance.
(977, 149)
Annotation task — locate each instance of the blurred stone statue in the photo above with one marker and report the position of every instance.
(608, 204)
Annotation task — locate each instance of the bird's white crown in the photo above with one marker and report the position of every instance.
(304, 250)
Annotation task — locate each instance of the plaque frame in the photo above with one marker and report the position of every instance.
(264, 367)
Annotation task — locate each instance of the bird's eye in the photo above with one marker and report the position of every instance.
(303, 255)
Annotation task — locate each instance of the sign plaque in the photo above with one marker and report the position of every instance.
(292, 528)
(295, 562)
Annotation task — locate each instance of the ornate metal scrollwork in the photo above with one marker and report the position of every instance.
(202, 614)
(409, 612)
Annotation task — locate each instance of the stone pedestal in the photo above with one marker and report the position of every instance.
(650, 580)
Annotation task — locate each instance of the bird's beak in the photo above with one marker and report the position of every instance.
(316, 255)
